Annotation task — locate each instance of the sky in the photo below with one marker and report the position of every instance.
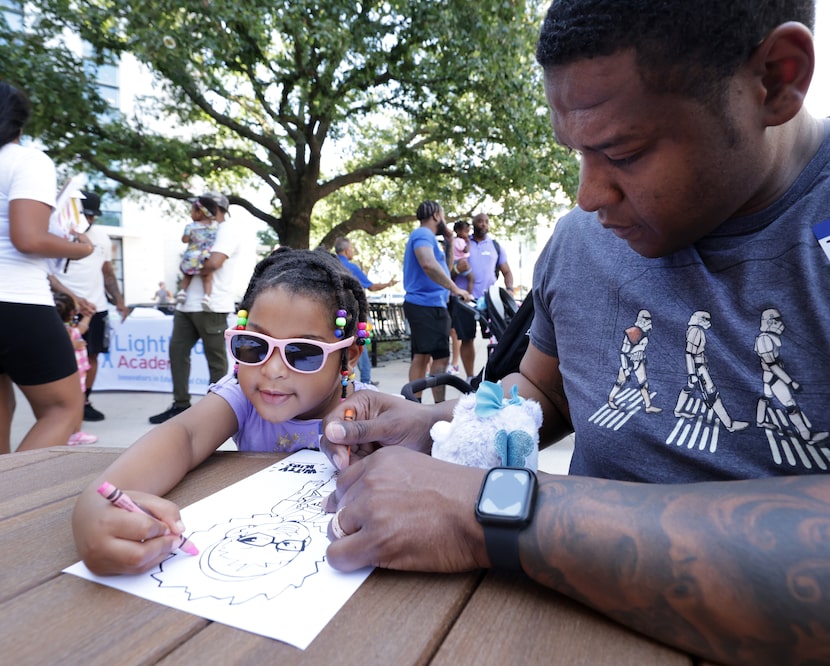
(818, 97)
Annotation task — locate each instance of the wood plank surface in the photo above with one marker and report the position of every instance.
(527, 624)
(50, 476)
(394, 618)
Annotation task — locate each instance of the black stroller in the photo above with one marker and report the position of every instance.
(508, 325)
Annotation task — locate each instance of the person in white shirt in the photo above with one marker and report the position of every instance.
(35, 352)
(90, 281)
(191, 322)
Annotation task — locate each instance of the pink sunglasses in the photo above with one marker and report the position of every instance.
(300, 354)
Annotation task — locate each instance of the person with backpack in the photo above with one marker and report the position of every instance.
(487, 259)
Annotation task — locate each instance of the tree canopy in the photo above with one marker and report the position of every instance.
(369, 106)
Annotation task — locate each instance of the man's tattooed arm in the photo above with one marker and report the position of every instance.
(737, 572)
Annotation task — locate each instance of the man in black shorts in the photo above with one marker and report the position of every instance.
(426, 280)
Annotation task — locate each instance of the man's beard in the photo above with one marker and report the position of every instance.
(442, 228)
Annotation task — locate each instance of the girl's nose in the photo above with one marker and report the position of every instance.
(275, 367)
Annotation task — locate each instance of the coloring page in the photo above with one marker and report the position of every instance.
(261, 565)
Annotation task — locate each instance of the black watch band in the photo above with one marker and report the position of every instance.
(504, 508)
(503, 547)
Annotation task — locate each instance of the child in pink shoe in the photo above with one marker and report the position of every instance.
(76, 328)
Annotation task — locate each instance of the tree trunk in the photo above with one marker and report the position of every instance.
(294, 230)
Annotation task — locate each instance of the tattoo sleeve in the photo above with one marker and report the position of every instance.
(736, 571)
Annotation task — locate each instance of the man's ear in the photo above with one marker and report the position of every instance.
(785, 61)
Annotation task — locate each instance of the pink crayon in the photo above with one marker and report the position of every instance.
(123, 501)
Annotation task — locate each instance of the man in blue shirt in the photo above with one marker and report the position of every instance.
(426, 280)
(345, 253)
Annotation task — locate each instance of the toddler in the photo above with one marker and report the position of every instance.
(461, 253)
(76, 327)
(199, 235)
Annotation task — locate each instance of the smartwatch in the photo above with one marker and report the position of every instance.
(504, 508)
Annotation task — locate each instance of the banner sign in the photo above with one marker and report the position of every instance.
(139, 357)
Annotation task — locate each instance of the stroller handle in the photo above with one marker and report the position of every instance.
(416, 386)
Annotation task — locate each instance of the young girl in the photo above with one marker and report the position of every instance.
(200, 235)
(461, 253)
(76, 329)
(295, 350)
(460, 268)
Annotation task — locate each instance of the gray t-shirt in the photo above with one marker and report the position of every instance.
(729, 339)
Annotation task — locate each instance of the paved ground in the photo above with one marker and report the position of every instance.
(127, 413)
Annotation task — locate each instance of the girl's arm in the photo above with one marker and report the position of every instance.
(111, 540)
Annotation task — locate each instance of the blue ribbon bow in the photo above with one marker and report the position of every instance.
(490, 399)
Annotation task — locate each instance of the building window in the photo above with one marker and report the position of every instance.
(117, 259)
(13, 13)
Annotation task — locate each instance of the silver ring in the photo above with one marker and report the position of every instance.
(336, 527)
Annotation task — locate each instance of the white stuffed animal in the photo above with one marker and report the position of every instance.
(488, 430)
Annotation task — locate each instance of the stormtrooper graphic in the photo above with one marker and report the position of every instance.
(699, 380)
(778, 385)
(633, 362)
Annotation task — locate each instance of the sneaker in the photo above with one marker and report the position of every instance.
(206, 303)
(181, 296)
(453, 370)
(92, 414)
(81, 437)
(169, 414)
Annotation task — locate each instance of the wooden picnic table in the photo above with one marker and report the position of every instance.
(394, 619)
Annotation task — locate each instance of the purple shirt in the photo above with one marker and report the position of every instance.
(483, 261)
(257, 434)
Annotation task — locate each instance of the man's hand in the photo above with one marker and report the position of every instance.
(464, 295)
(405, 510)
(85, 307)
(380, 420)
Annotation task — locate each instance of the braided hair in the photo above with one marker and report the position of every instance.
(64, 304)
(318, 275)
(427, 209)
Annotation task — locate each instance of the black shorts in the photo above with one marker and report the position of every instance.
(463, 321)
(97, 335)
(429, 328)
(35, 347)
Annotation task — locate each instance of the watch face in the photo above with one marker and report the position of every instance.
(506, 496)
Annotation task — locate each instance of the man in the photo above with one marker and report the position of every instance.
(345, 253)
(487, 260)
(428, 285)
(703, 187)
(90, 281)
(192, 323)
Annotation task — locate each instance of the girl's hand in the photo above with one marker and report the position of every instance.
(111, 540)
